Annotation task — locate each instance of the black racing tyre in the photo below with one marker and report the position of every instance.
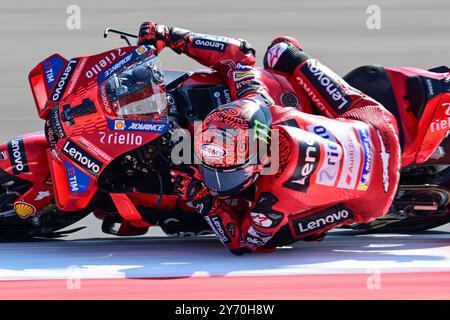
(395, 224)
(45, 223)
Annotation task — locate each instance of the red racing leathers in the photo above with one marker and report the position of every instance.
(331, 171)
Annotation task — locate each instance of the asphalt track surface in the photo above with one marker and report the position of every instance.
(413, 33)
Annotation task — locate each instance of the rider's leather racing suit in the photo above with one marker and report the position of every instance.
(339, 168)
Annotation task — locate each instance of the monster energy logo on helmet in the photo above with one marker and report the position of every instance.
(261, 124)
(261, 132)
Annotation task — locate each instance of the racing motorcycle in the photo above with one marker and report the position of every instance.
(95, 156)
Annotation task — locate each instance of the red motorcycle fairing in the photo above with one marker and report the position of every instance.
(423, 99)
(25, 157)
(86, 133)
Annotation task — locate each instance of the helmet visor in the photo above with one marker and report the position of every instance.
(226, 182)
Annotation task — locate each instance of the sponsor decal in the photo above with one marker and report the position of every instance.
(118, 124)
(3, 155)
(78, 181)
(120, 138)
(217, 226)
(329, 170)
(17, 156)
(366, 169)
(24, 210)
(141, 50)
(322, 79)
(441, 124)
(242, 75)
(254, 241)
(309, 157)
(274, 53)
(261, 131)
(63, 80)
(91, 147)
(352, 159)
(246, 85)
(55, 154)
(433, 86)
(42, 195)
(264, 237)
(289, 99)
(214, 38)
(76, 75)
(55, 123)
(209, 44)
(139, 126)
(221, 96)
(50, 135)
(212, 150)
(263, 215)
(104, 99)
(261, 220)
(118, 65)
(105, 62)
(231, 227)
(82, 158)
(52, 67)
(385, 163)
(322, 221)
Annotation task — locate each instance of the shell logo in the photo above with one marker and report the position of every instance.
(24, 210)
(141, 50)
(119, 125)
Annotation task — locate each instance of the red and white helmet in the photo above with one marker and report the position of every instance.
(233, 146)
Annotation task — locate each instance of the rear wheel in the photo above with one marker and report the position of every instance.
(415, 209)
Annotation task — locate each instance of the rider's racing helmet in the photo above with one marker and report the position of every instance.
(138, 90)
(233, 147)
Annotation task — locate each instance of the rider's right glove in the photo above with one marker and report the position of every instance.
(153, 34)
(189, 188)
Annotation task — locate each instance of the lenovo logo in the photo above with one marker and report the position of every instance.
(82, 158)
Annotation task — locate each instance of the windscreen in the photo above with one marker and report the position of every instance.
(139, 89)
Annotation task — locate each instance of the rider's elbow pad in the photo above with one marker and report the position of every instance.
(178, 38)
(288, 61)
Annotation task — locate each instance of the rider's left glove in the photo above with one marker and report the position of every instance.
(151, 33)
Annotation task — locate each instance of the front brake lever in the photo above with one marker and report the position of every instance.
(123, 35)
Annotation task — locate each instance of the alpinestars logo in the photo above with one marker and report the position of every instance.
(82, 158)
(17, 156)
(64, 80)
(329, 89)
(274, 53)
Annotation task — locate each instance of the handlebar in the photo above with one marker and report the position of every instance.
(123, 35)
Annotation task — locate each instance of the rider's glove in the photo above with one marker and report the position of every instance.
(190, 189)
(153, 34)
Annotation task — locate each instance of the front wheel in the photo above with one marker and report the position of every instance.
(45, 223)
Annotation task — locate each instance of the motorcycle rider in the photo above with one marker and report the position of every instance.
(332, 171)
